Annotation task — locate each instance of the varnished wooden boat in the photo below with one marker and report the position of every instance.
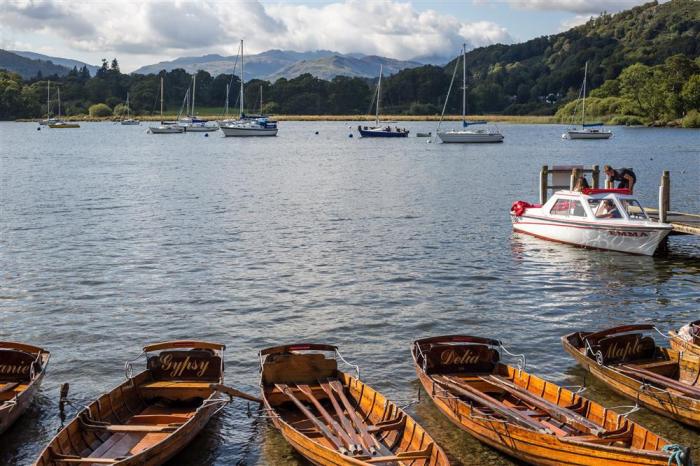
(22, 369)
(663, 380)
(332, 418)
(687, 338)
(527, 417)
(151, 416)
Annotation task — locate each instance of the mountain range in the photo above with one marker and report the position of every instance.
(269, 65)
(274, 64)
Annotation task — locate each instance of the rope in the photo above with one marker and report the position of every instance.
(676, 452)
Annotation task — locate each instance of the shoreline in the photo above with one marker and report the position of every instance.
(388, 119)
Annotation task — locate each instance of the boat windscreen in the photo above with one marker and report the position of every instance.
(634, 210)
(604, 208)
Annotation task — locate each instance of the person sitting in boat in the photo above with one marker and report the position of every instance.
(607, 209)
(581, 184)
(624, 176)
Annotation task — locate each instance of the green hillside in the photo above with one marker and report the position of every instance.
(28, 68)
(520, 78)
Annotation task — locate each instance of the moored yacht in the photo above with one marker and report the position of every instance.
(466, 134)
(379, 130)
(609, 219)
(165, 127)
(590, 130)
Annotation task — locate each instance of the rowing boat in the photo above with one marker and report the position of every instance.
(525, 416)
(663, 380)
(22, 369)
(332, 418)
(151, 416)
(687, 338)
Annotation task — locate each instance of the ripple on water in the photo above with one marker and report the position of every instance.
(109, 243)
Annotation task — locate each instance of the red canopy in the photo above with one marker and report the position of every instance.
(604, 191)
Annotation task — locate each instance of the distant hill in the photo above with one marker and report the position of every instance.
(518, 78)
(68, 63)
(275, 64)
(28, 68)
(343, 65)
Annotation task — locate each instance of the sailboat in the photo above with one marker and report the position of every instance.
(587, 131)
(465, 134)
(191, 123)
(58, 124)
(165, 128)
(379, 131)
(246, 126)
(129, 120)
(48, 119)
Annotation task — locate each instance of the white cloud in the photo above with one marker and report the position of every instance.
(573, 22)
(141, 31)
(577, 6)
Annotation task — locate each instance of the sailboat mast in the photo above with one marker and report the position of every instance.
(261, 100)
(379, 94)
(240, 111)
(464, 83)
(58, 89)
(583, 112)
(228, 87)
(48, 100)
(128, 113)
(194, 90)
(161, 99)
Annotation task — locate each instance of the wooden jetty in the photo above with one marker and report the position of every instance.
(564, 177)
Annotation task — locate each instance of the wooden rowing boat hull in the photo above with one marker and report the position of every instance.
(679, 344)
(542, 448)
(10, 412)
(370, 401)
(68, 440)
(680, 408)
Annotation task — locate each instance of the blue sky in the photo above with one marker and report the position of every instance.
(140, 32)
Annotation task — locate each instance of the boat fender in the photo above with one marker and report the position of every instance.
(519, 207)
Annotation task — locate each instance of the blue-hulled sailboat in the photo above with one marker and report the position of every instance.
(380, 131)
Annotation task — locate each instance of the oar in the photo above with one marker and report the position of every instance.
(232, 392)
(368, 439)
(325, 431)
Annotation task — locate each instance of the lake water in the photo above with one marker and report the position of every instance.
(112, 238)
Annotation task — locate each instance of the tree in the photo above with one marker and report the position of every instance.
(115, 65)
(100, 110)
(640, 84)
(691, 93)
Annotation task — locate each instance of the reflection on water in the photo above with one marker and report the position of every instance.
(109, 242)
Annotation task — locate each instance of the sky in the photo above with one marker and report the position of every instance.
(142, 32)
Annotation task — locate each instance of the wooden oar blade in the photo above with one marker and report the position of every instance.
(230, 391)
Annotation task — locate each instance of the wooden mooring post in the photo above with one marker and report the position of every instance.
(664, 196)
(559, 174)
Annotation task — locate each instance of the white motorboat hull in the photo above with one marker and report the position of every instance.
(637, 239)
(247, 131)
(166, 129)
(587, 135)
(469, 137)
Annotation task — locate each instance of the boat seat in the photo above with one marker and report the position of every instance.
(176, 389)
(7, 386)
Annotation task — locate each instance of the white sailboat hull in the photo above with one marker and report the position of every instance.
(469, 137)
(174, 129)
(584, 134)
(130, 122)
(247, 131)
(637, 239)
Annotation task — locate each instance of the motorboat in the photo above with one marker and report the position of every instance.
(254, 127)
(379, 130)
(465, 134)
(608, 219)
(587, 131)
